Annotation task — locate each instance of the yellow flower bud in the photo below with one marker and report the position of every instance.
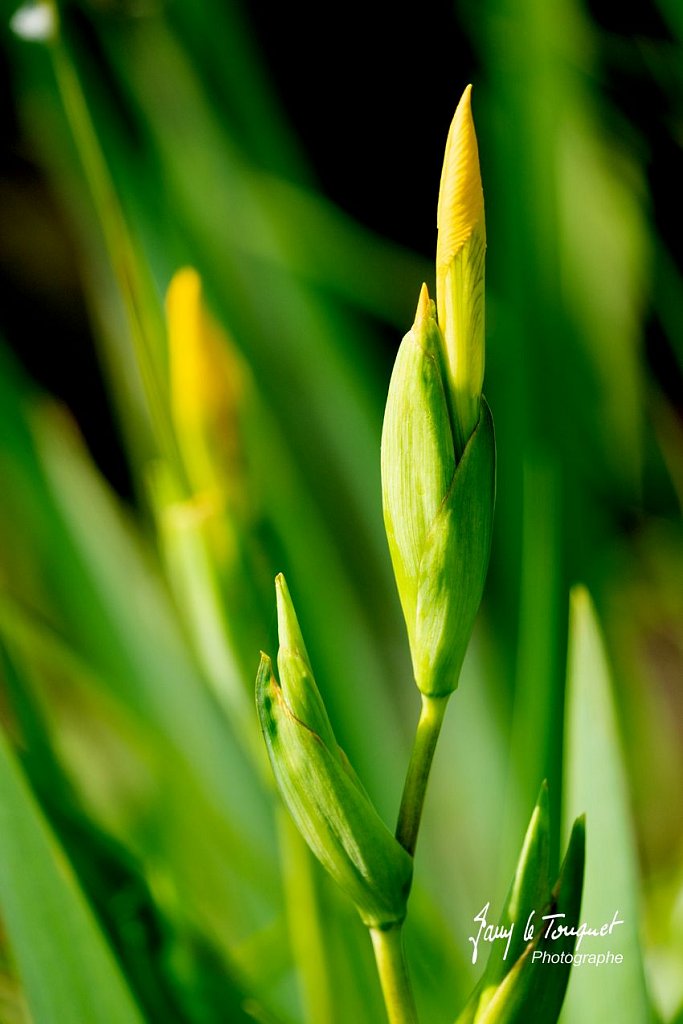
(460, 251)
(206, 384)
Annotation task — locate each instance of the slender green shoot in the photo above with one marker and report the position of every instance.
(415, 788)
(393, 975)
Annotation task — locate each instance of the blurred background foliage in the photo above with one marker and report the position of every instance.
(292, 157)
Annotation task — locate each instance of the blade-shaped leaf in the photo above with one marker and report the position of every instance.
(68, 972)
(520, 985)
(596, 782)
(534, 990)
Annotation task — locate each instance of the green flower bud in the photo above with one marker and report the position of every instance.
(324, 796)
(438, 507)
(438, 446)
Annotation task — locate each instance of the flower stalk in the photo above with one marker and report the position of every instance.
(415, 788)
(393, 975)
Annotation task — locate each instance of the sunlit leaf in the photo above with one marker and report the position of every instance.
(596, 783)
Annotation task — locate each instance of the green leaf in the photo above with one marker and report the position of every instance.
(98, 590)
(520, 987)
(596, 781)
(533, 991)
(529, 890)
(68, 972)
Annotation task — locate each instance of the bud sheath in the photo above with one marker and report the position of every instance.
(319, 787)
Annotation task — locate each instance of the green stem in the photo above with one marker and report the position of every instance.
(412, 802)
(393, 975)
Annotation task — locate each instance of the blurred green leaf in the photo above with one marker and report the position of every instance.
(537, 708)
(68, 971)
(596, 782)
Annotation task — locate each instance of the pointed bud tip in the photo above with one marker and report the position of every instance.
(425, 317)
(542, 807)
(264, 674)
(284, 604)
(283, 599)
(424, 306)
(289, 631)
(461, 199)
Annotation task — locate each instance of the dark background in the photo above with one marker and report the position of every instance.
(345, 78)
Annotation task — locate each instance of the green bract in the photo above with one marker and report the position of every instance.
(438, 509)
(321, 790)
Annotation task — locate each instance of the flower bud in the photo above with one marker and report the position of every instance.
(321, 790)
(460, 250)
(438, 508)
(207, 383)
(438, 445)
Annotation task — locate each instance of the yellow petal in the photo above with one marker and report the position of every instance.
(461, 199)
(460, 253)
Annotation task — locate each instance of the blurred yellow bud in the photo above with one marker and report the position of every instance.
(206, 385)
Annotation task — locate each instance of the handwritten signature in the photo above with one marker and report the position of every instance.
(554, 929)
